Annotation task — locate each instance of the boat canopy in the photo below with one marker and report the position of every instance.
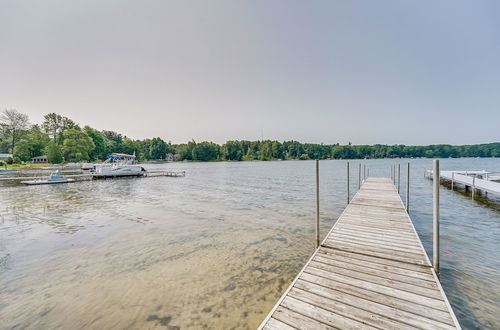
(122, 156)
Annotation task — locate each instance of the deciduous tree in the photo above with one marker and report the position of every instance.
(14, 124)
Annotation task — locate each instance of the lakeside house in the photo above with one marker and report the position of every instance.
(170, 157)
(39, 159)
(6, 156)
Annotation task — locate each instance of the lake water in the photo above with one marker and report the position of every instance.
(214, 249)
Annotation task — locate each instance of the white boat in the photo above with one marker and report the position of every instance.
(52, 179)
(118, 165)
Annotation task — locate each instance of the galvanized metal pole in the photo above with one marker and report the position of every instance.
(391, 172)
(364, 173)
(399, 177)
(408, 187)
(452, 180)
(359, 177)
(348, 183)
(435, 218)
(317, 203)
(473, 185)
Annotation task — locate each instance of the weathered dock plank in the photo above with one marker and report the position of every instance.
(371, 271)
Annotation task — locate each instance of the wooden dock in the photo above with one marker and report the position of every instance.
(371, 271)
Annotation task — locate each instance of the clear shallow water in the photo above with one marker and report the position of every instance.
(214, 249)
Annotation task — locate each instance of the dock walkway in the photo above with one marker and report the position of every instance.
(470, 179)
(370, 272)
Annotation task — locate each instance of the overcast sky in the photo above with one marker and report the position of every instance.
(412, 72)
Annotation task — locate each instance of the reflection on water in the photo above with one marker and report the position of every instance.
(214, 249)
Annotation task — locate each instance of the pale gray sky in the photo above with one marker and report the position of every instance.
(412, 72)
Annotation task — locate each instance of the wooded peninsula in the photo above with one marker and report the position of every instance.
(63, 140)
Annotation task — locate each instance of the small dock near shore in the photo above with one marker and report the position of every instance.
(90, 176)
(371, 272)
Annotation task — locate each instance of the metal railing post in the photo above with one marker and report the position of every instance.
(408, 187)
(317, 203)
(348, 194)
(435, 218)
(399, 177)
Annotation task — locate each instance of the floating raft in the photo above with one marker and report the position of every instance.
(370, 272)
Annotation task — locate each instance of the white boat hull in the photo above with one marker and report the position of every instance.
(37, 182)
(102, 171)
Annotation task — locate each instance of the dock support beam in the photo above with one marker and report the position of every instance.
(408, 187)
(317, 203)
(435, 218)
(348, 194)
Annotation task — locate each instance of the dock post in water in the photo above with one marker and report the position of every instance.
(348, 194)
(473, 185)
(408, 187)
(452, 180)
(399, 177)
(359, 177)
(435, 218)
(317, 203)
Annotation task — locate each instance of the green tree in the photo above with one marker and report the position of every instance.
(232, 150)
(32, 143)
(99, 151)
(54, 153)
(130, 146)
(114, 142)
(77, 145)
(55, 125)
(158, 149)
(13, 124)
(205, 151)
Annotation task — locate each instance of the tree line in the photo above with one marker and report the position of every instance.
(63, 140)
